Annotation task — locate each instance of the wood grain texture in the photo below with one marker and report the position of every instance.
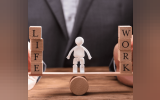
(35, 32)
(124, 32)
(125, 67)
(82, 74)
(36, 68)
(124, 44)
(79, 85)
(36, 44)
(36, 56)
(124, 55)
(100, 87)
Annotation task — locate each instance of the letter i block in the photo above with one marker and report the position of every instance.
(36, 56)
(124, 44)
(36, 68)
(36, 44)
(125, 67)
(124, 32)
(35, 32)
(124, 55)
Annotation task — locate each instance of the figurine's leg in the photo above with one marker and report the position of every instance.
(82, 67)
(75, 65)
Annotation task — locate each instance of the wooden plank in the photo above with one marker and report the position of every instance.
(82, 74)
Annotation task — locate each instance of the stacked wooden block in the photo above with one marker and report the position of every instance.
(36, 46)
(124, 46)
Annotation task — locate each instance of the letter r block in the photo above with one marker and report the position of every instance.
(125, 67)
(124, 32)
(36, 44)
(124, 44)
(35, 32)
(124, 55)
(37, 68)
(36, 56)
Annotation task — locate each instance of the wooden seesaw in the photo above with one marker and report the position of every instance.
(78, 83)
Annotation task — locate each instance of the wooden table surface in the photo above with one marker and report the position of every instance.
(100, 87)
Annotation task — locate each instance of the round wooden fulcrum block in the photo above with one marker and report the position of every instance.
(79, 85)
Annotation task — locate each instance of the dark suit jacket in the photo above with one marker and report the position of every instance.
(96, 21)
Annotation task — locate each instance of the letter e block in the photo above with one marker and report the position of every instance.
(124, 44)
(36, 56)
(124, 32)
(35, 32)
(125, 67)
(36, 68)
(36, 44)
(124, 55)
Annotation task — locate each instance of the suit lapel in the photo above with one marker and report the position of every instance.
(80, 16)
(56, 8)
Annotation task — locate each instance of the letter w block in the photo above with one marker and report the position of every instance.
(124, 32)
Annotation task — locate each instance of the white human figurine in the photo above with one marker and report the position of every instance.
(79, 54)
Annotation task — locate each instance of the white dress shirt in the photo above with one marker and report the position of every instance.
(69, 10)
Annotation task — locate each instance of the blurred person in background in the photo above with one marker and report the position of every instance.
(95, 20)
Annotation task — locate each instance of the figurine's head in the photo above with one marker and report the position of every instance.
(79, 41)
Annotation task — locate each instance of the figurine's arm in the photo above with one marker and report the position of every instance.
(70, 52)
(89, 56)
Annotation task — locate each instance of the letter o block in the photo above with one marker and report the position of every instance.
(124, 44)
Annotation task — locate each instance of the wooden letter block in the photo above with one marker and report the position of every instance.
(36, 68)
(124, 55)
(36, 44)
(36, 56)
(125, 67)
(124, 44)
(35, 32)
(124, 32)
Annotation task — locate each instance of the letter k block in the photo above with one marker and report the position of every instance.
(125, 67)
